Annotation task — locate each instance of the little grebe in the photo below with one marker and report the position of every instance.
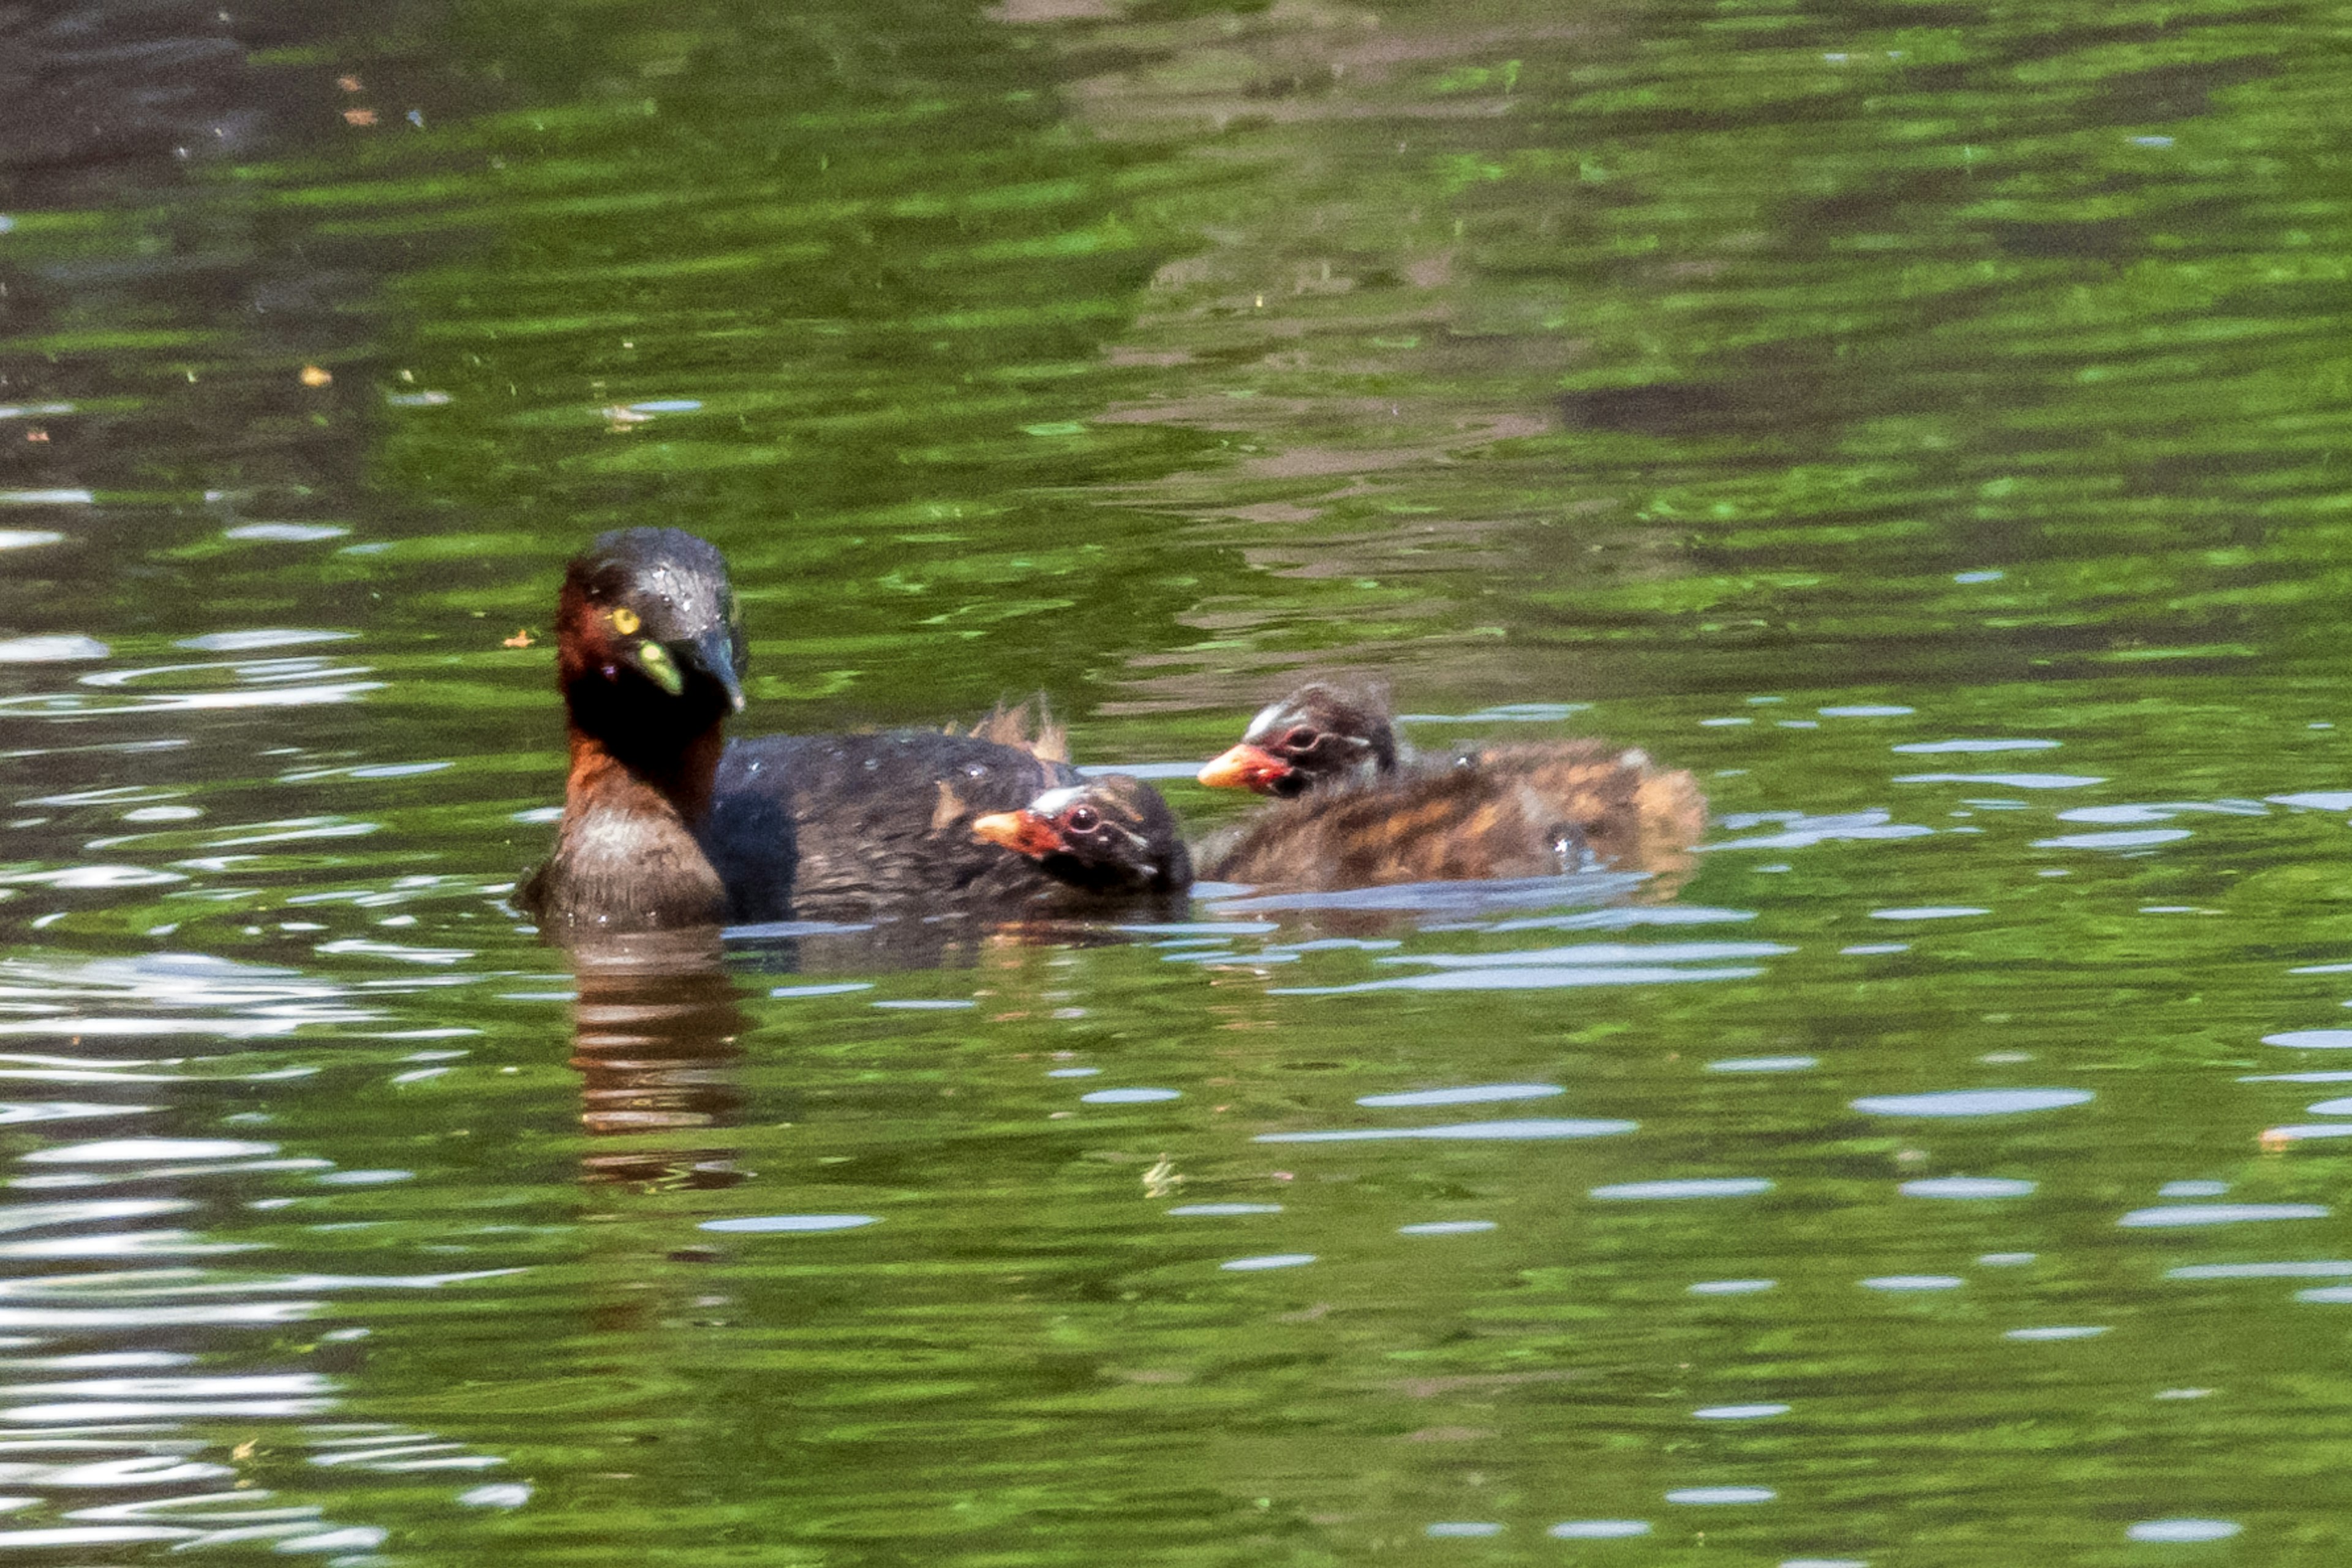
(1108, 835)
(880, 824)
(649, 656)
(1319, 735)
(1359, 811)
(666, 825)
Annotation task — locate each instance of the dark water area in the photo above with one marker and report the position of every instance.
(1930, 424)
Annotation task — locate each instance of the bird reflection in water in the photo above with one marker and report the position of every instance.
(656, 1041)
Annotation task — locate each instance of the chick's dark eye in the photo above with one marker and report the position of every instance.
(1081, 819)
(1301, 738)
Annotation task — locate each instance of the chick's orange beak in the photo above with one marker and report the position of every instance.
(1247, 767)
(1023, 832)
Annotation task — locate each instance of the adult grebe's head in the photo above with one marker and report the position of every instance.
(649, 644)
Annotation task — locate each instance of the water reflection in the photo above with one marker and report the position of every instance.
(655, 1040)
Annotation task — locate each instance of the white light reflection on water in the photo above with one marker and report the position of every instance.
(2322, 1268)
(1624, 917)
(127, 1244)
(2007, 781)
(285, 532)
(425, 1457)
(1599, 953)
(2173, 1216)
(92, 1211)
(1500, 713)
(256, 672)
(1534, 1128)
(1966, 1187)
(1599, 1529)
(86, 877)
(93, 1535)
(2312, 1039)
(139, 1150)
(259, 637)
(149, 1315)
(400, 952)
(2127, 838)
(232, 1386)
(1804, 832)
(1470, 1094)
(2160, 811)
(1458, 899)
(156, 993)
(1506, 976)
(1690, 1187)
(1964, 1102)
(2183, 1530)
(267, 687)
(67, 1110)
(55, 649)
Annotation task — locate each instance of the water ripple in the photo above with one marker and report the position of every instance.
(2323, 1268)
(1972, 1101)
(2174, 1214)
(1966, 1187)
(1609, 953)
(1599, 1529)
(1690, 1187)
(2127, 838)
(1805, 832)
(1471, 1094)
(2007, 781)
(1534, 1128)
(1513, 978)
(2312, 1039)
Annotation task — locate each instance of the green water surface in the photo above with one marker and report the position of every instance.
(1931, 423)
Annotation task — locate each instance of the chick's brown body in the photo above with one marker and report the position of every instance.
(1505, 811)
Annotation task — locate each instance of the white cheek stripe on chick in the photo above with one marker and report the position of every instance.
(1051, 803)
(1264, 723)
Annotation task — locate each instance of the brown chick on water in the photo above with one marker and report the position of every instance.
(1354, 808)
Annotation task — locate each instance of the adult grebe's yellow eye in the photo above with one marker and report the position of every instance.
(625, 621)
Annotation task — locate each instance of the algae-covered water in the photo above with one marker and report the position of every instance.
(1931, 423)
